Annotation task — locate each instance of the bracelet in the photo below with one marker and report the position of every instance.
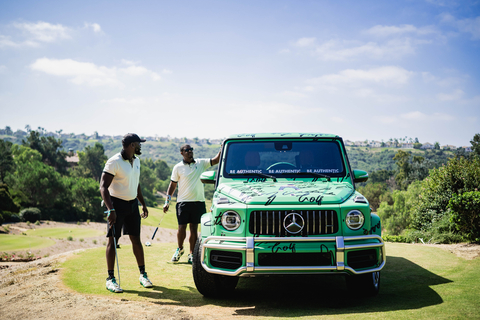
(169, 197)
(108, 212)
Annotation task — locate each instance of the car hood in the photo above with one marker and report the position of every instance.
(278, 193)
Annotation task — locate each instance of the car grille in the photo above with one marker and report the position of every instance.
(316, 222)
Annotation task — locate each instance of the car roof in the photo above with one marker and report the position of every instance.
(282, 135)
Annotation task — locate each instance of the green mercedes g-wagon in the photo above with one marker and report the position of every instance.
(286, 204)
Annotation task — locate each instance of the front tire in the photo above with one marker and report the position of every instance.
(208, 284)
(367, 284)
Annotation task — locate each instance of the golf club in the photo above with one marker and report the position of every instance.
(155, 232)
(116, 255)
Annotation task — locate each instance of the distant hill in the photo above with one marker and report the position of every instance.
(168, 149)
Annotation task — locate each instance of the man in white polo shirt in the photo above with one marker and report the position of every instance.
(190, 197)
(120, 190)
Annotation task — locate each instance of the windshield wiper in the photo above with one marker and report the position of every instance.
(320, 175)
(254, 174)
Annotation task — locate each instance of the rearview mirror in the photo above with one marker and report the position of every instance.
(360, 176)
(208, 177)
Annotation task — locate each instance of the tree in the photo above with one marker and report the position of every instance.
(91, 161)
(458, 176)
(6, 200)
(50, 148)
(147, 184)
(397, 216)
(476, 144)
(38, 184)
(436, 145)
(8, 131)
(404, 167)
(374, 192)
(84, 198)
(6, 159)
(466, 214)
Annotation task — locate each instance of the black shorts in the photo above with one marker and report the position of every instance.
(128, 218)
(190, 212)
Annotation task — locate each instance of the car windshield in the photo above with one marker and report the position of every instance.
(284, 159)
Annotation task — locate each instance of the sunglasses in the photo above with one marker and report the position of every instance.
(188, 149)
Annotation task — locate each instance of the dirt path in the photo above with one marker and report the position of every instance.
(64, 245)
(33, 290)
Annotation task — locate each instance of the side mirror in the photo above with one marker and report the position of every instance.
(360, 176)
(208, 177)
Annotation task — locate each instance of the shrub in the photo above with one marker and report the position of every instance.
(458, 176)
(466, 214)
(30, 214)
(374, 192)
(37, 223)
(15, 218)
(2, 220)
(397, 217)
(69, 238)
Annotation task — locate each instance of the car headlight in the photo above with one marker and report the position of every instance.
(355, 219)
(231, 220)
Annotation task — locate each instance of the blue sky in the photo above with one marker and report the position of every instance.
(360, 69)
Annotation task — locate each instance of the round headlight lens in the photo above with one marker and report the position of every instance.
(354, 219)
(230, 220)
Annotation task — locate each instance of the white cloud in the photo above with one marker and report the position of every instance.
(166, 71)
(5, 41)
(305, 42)
(388, 75)
(86, 73)
(3, 68)
(455, 95)
(468, 25)
(388, 31)
(374, 84)
(380, 42)
(414, 115)
(44, 31)
(34, 34)
(94, 26)
(134, 101)
(78, 72)
(351, 50)
(130, 62)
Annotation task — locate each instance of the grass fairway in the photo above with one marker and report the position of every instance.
(63, 233)
(170, 219)
(418, 282)
(17, 243)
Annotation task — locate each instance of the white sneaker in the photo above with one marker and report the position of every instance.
(176, 256)
(144, 281)
(190, 258)
(113, 286)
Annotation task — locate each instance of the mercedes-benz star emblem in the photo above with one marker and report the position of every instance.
(293, 223)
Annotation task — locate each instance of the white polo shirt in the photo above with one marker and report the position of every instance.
(190, 188)
(126, 177)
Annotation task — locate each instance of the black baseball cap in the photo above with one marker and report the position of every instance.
(131, 137)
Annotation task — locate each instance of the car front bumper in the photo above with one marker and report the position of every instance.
(247, 245)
